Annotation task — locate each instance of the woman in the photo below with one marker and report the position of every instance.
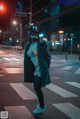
(36, 68)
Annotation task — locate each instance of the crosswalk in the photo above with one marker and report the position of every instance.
(25, 93)
(70, 68)
(7, 62)
(75, 84)
(67, 68)
(10, 58)
(18, 68)
(19, 112)
(78, 71)
(60, 91)
(68, 108)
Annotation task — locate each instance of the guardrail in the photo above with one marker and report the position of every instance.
(12, 48)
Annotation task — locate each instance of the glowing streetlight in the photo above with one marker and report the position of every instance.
(14, 22)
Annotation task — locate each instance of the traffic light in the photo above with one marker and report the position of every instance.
(41, 35)
(2, 8)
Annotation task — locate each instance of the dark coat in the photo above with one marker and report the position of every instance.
(44, 62)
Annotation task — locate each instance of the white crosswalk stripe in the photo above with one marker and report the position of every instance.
(75, 84)
(26, 94)
(70, 110)
(11, 59)
(14, 70)
(60, 91)
(67, 68)
(78, 71)
(23, 91)
(18, 112)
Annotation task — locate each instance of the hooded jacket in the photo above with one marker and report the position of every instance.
(44, 63)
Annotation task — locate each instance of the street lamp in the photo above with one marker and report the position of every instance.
(20, 33)
(30, 12)
(15, 23)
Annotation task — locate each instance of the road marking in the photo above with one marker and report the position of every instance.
(60, 91)
(11, 59)
(23, 91)
(78, 71)
(18, 112)
(14, 70)
(75, 84)
(1, 52)
(67, 68)
(70, 110)
(12, 64)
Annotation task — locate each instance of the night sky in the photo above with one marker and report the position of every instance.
(73, 16)
(5, 15)
(10, 6)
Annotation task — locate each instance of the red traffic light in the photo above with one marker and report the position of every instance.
(2, 8)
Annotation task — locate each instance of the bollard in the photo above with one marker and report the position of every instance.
(66, 56)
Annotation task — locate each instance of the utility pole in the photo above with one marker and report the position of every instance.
(30, 20)
(20, 33)
(20, 14)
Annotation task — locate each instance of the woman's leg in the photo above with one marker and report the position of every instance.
(37, 88)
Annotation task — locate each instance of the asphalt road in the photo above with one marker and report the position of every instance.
(18, 99)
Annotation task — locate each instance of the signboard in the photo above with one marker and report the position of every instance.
(19, 11)
(21, 14)
(19, 6)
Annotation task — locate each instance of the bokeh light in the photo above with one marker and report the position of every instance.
(3, 8)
